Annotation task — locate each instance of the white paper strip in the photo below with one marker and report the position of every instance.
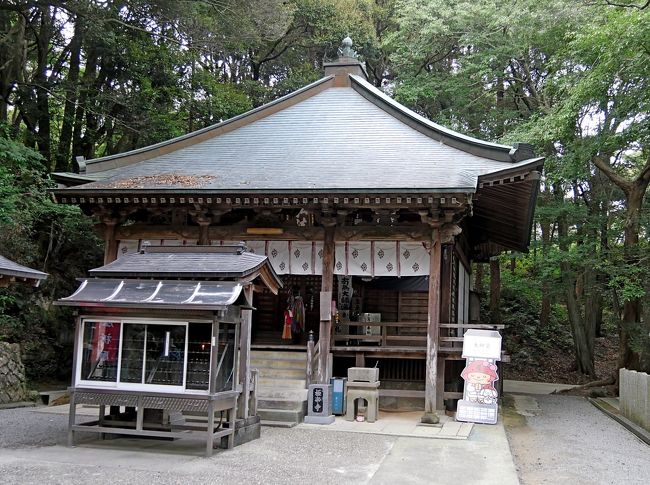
(414, 259)
(128, 246)
(301, 257)
(385, 254)
(278, 253)
(340, 266)
(359, 258)
(256, 247)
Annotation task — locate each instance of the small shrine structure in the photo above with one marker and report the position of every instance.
(162, 340)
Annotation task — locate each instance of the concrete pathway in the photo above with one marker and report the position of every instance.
(564, 439)
(405, 424)
(483, 459)
(282, 456)
(530, 387)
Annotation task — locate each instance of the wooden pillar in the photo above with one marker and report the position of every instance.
(214, 355)
(433, 330)
(495, 290)
(204, 232)
(327, 285)
(244, 355)
(446, 280)
(110, 243)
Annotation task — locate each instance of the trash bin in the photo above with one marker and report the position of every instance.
(338, 395)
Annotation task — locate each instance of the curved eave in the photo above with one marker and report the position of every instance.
(11, 271)
(73, 191)
(151, 306)
(493, 151)
(503, 215)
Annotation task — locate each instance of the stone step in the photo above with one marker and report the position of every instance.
(287, 404)
(280, 392)
(260, 363)
(279, 355)
(266, 382)
(285, 415)
(281, 373)
(278, 424)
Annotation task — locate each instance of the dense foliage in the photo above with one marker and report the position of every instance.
(91, 78)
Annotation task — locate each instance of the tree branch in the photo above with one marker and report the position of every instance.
(603, 164)
(628, 5)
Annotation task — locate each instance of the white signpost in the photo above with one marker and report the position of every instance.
(482, 349)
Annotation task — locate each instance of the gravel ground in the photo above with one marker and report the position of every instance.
(22, 427)
(27, 456)
(565, 439)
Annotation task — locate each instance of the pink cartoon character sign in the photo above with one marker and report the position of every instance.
(482, 349)
(479, 377)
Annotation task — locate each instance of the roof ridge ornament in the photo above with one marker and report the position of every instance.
(346, 49)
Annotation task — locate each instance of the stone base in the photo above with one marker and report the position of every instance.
(430, 418)
(319, 419)
(246, 430)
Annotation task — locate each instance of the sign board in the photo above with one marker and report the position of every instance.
(484, 344)
(325, 305)
(319, 404)
(482, 349)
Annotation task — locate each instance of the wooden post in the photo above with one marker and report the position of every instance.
(495, 290)
(204, 232)
(309, 374)
(214, 356)
(446, 279)
(327, 285)
(245, 355)
(110, 246)
(433, 331)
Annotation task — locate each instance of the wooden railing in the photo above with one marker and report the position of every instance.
(313, 354)
(252, 405)
(405, 336)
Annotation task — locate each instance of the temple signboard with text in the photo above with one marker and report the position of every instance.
(482, 349)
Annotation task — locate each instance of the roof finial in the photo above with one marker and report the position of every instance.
(346, 49)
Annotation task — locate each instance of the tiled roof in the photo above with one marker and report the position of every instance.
(192, 262)
(339, 139)
(10, 268)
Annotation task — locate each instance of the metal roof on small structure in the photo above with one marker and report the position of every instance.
(139, 293)
(189, 277)
(197, 262)
(12, 270)
(323, 138)
(183, 262)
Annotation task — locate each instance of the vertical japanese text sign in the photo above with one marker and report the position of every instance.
(482, 349)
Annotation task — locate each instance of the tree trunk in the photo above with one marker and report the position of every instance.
(545, 311)
(42, 136)
(87, 81)
(495, 290)
(63, 161)
(12, 57)
(582, 337)
(628, 357)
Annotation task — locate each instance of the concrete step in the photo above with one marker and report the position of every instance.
(285, 415)
(281, 373)
(266, 382)
(278, 424)
(281, 393)
(286, 404)
(260, 363)
(279, 355)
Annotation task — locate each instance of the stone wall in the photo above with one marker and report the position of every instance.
(634, 396)
(12, 374)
